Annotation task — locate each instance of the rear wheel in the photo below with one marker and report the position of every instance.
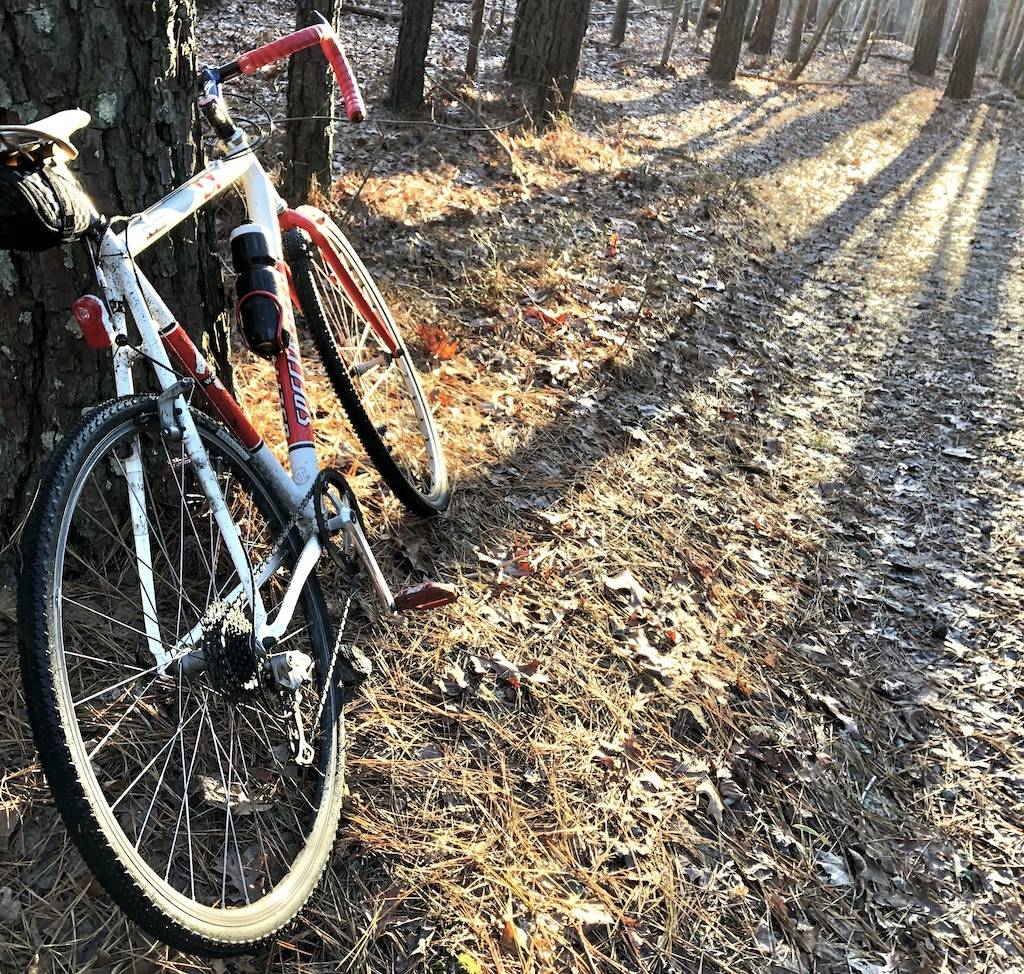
(181, 791)
(369, 366)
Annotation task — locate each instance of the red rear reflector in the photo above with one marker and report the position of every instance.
(426, 595)
(89, 315)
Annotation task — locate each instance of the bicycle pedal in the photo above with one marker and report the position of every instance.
(425, 595)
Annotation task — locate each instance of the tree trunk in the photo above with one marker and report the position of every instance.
(725, 52)
(406, 91)
(619, 24)
(476, 31)
(913, 25)
(670, 36)
(702, 18)
(309, 139)
(523, 61)
(764, 29)
(867, 31)
(752, 13)
(812, 44)
(1017, 72)
(965, 64)
(563, 33)
(1011, 43)
(929, 37)
(686, 16)
(796, 31)
(953, 37)
(132, 66)
(812, 13)
(1008, 26)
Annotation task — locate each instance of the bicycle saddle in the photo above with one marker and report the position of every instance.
(51, 133)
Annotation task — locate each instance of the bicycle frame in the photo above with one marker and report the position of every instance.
(163, 338)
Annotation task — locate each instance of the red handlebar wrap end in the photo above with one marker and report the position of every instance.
(355, 109)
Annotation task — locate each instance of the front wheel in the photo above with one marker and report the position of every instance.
(182, 791)
(369, 365)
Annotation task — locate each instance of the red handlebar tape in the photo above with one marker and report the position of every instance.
(288, 45)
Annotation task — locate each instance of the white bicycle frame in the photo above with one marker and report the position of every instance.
(126, 287)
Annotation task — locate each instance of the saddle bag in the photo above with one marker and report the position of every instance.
(41, 206)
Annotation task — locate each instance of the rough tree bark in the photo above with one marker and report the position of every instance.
(309, 140)
(132, 66)
(796, 31)
(407, 76)
(725, 52)
(620, 22)
(764, 30)
(476, 31)
(965, 64)
(562, 42)
(523, 61)
(866, 33)
(929, 38)
(812, 44)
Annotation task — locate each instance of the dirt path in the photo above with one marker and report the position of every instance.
(899, 310)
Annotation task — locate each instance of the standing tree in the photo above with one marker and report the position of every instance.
(965, 63)
(406, 91)
(764, 30)
(619, 23)
(796, 31)
(562, 42)
(523, 61)
(132, 66)
(866, 33)
(812, 44)
(929, 38)
(1004, 46)
(476, 31)
(1014, 31)
(752, 13)
(670, 36)
(547, 38)
(955, 28)
(725, 52)
(309, 135)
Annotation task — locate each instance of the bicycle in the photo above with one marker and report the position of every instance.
(183, 684)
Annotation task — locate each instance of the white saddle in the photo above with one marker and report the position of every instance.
(54, 132)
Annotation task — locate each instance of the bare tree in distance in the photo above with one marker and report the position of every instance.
(796, 31)
(309, 131)
(476, 32)
(764, 29)
(409, 71)
(929, 38)
(620, 22)
(725, 52)
(965, 63)
(812, 44)
(866, 33)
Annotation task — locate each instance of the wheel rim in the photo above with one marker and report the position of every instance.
(197, 793)
(384, 380)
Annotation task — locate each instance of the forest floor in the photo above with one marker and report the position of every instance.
(730, 386)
